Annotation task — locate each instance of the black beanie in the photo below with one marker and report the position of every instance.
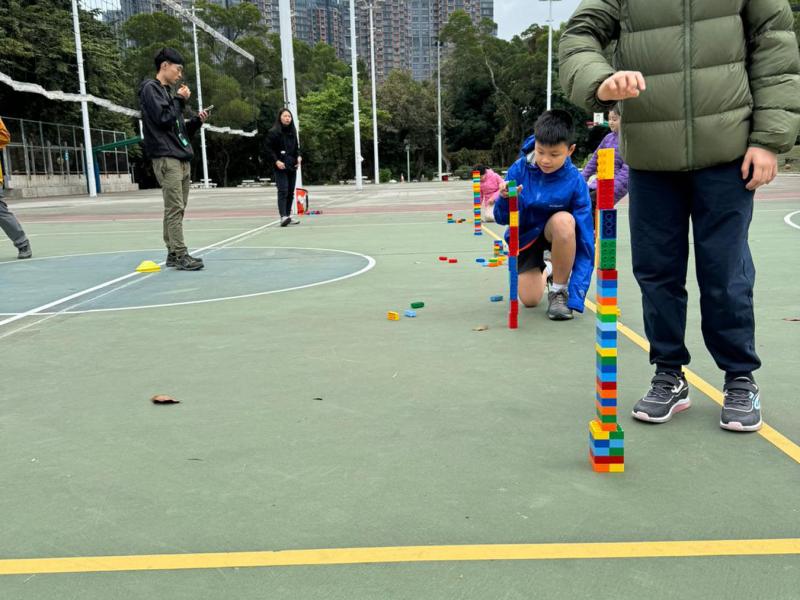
(168, 55)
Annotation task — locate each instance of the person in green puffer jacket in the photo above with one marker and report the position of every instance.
(709, 94)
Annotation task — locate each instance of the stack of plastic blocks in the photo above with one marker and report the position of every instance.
(513, 253)
(606, 437)
(476, 201)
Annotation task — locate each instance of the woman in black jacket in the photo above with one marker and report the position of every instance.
(283, 149)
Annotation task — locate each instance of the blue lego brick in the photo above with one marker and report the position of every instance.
(598, 443)
(605, 326)
(606, 334)
(512, 263)
(600, 451)
(608, 224)
(410, 313)
(605, 401)
(606, 343)
(606, 377)
(496, 298)
(616, 443)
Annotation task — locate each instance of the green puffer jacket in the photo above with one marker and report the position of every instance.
(721, 75)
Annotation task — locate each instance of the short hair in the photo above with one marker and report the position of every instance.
(480, 169)
(554, 127)
(167, 55)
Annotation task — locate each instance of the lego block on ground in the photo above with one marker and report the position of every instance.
(393, 315)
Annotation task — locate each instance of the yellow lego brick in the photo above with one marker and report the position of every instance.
(607, 309)
(605, 352)
(513, 219)
(605, 163)
(393, 316)
(597, 432)
(616, 468)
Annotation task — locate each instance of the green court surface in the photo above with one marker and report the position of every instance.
(320, 450)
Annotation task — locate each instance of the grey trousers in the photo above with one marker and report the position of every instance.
(174, 177)
(10, 224)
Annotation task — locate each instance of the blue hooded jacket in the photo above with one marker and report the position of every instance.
(543, 195)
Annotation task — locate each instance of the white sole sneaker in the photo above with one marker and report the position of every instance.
(679, 406)
(736, 426)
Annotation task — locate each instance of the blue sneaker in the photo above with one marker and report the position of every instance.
(741, 409)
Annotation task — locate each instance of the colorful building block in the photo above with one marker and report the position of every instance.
(393, 315)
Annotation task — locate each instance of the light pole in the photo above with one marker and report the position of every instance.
(200, 102)
(87, 134)
(439, 103)
(287, 67)
(371, 5)
(354, 68)
(549, 51)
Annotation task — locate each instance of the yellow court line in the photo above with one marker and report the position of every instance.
(400, 554)
(769, 433)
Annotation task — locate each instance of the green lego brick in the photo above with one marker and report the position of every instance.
(607, 318)
(616, 451)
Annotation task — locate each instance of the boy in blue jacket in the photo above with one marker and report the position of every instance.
(554, 214)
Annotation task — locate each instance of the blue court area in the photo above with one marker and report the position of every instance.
(230, 273)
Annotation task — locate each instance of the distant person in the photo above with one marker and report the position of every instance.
(611, 140)
(167, 142)
(283, 150)
(490, 185)
(8, 221)
(709, 93)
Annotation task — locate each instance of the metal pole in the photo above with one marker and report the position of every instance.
(408, 162)
(200, 103)
(87, 134)
(549, 53)
(374, 101)
(439, 102)
(287, 65)
(354, 68)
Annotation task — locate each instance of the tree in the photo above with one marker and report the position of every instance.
(39, 47)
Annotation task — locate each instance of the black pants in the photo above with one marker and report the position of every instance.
(720, 209)
(285, 180)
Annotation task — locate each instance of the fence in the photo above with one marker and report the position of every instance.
(53, 149)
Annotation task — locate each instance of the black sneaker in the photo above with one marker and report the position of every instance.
(285, 221)
(557, 309)
(668, 394)
(188, 263)
(172, 259)
(24, 251)
(741, 408)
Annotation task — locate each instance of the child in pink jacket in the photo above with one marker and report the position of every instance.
(490, 185)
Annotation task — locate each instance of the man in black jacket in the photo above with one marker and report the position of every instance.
(166, 142)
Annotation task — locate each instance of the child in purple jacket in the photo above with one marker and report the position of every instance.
(620, 168)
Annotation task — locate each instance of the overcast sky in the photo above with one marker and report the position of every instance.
(515, 16)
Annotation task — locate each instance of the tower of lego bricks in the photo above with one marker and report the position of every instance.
(513, 254)
(476, 201)
(606, 438)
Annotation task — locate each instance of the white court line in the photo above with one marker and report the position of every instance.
(126, 232)
(788, 219)
(370, 264)
(101, 286)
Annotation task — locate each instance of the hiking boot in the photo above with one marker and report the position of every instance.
(285, 221)
(24, 251)
(172, 259)
(188, 263)
(557, 309)
(668, 394)
(741, 408)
